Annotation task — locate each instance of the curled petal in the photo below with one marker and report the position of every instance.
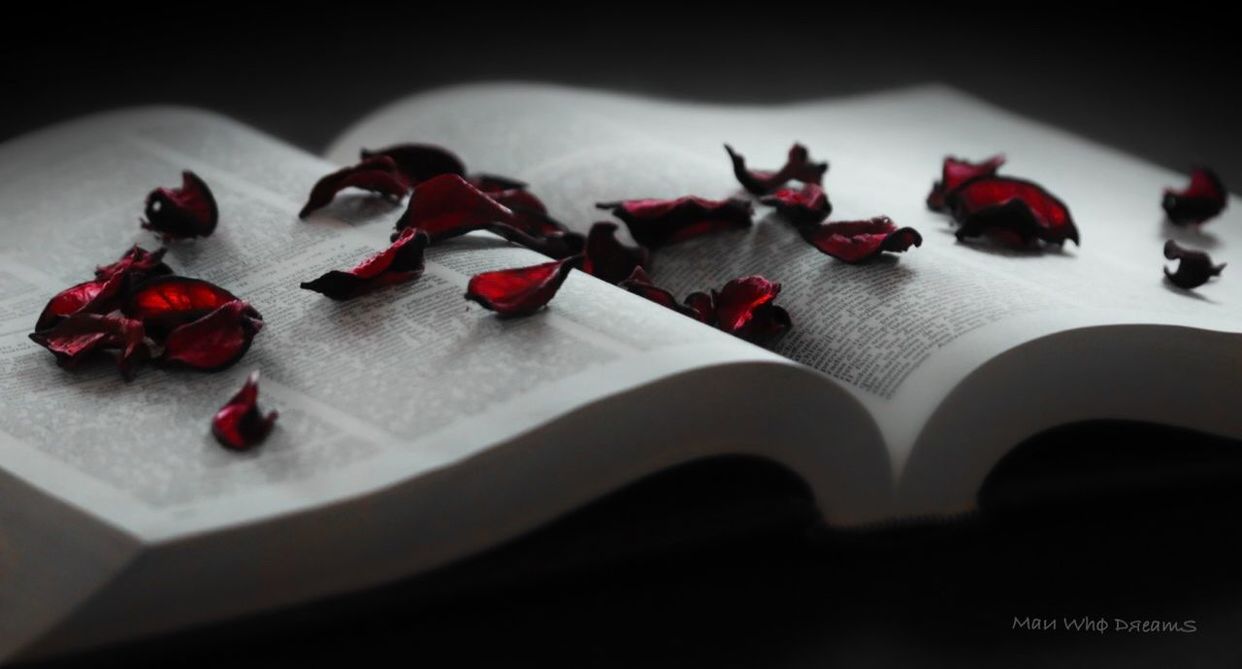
(83, 334)
(522, 290)
(607, 259)
(857, 241)
(639, 283)
(955, 172)
(655, 223)
(137, 262)
(737, 301)
(401, 262)
(760, 182)
(529, 213)
(89, 297)
(378, 175)
(178, 213)
(806, 206)
(1013, 210)
(214, 341)
(167, 302)
(419, 162)
(239, 425)
(1202, 199)
(1194, 269)
(766, 323)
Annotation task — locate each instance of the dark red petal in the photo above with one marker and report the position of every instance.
(856, 241)
(239, 425)
(608, 259)
(760, 182)
(378, 175)
(138, 262)
(81, 335)
(96, 297)
(655, 223)
(167, 302)
(522, 290)
(767, 323)
(806, 206)
(1203, 199)
(639, 283)
(529, 213)
(737, 301)
(701, 307)
(419, 162)
(214, 341)
(178, 213)
(1014, 209)
(955, 172)
(401, 262)
(1194, 269)
(491, 183)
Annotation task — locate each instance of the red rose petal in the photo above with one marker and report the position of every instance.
(419, 162)
(743, 308)
(700, 308)
(955, 172)
(378, 174)
(1203, 199)
(856, 241)
(806, 206)
(167, 302)
(654, 223)
(400, 262)
(239, 425)
(136, 261)
(214, 341)
(81, 335)
(97, 297)
(766, 323)
(1194, 269)
(522, 290)
(798, 166)
(607, 259)
(1014, 210)
(737, 301)
(178, 213)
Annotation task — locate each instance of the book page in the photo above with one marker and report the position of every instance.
(370, 391)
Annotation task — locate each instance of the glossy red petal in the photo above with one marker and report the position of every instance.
(806, 206)
(1014, 210)
(955, 172)
(399, 263)
(522, 290)
(419, 162)
(239, 425)
(136, 262)
(737, 301)
(97, 297)
(857, 241)
(798, 166)
(214, 341)
(81, 335)
(1204, 198)
(654, 223)
(378, 175)
(608, 259)
(1194, 268)
(166, 302)
(178, 213)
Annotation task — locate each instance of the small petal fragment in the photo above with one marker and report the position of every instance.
(955, 172)
(608, 259)
(1203, 199)
(378, 175)
(81, 335)
(138, 263)
(806, 206)
(654, 223)
(1194, 269)
(419, 162)
(737, 301)
(239, 425)
(401, 262)
(214, 341)
(1014, 211)
(179, 213)
(760, 182)
(522, 290)
(700, 309)
(858, 241)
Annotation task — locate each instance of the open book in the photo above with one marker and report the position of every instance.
(417, 428)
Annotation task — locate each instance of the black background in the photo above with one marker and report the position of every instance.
(719, 564)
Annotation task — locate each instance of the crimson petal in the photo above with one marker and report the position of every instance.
(806, 206)
(97, 297)
(1194, 269)
(401, 262)
(607, 259)
(1015, 211)
(81, 335)
(419, 162)
(166, 302)
(1203, 199)
(699, 308)
(239, 425)
(137, 262)
(216, 340)
(857, 241)
(654, 223)
(522, 290)
(955, 172)
(737, 301)
(760, 182)
(378, 175)
(177, 213)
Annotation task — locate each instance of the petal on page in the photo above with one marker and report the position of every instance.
(166, 302)
(806, 206)
(1194, 268)
(955, 172)
(137, 262)
(608, 259)
(1013, 211)
(858, 241)
(1204, 198)
(654, 223)
(214, 341)
(520, 291)
(419, 162)
(699, 308)
(798, 166)
(737, 301)
(98, 297)
(399, 263)
(82, 335)
(239, 425)
(378, 174)
(179, 213)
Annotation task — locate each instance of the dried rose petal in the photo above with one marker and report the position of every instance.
(214, 341)
(766, 323)
(1203, 199)
(167, 302)
(608, 259)
(760, 182)
(1014, 211)
(179, 213)
(955, 172)
(700, 309)
(137, 262)
(529, 213)
(522, 290)
(737, 301)
(856, 241)
(743, 308)
(378, 175)
(401, 262)
(654, 223)
(806, 206)
(419, 162)
(239, 425)
(94, 297)
(81, 335)
(1194, 269)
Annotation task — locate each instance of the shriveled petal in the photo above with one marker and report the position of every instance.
(608, 259)
(378, 174)
(522, 290)
(737, 301)
(97, 297)
(857, 241)
(81, 335)
(178, 213)
(1204, 198)
(136, 262)
(806, 206)
(955, 172)
(166, 302)
(798, 166)
(1194, 268)
(239, 425)
(654, 223)
(639, 283)
(419, 162)
(214, 341)
(400, 262)
(1013, 210)
(766, 324)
